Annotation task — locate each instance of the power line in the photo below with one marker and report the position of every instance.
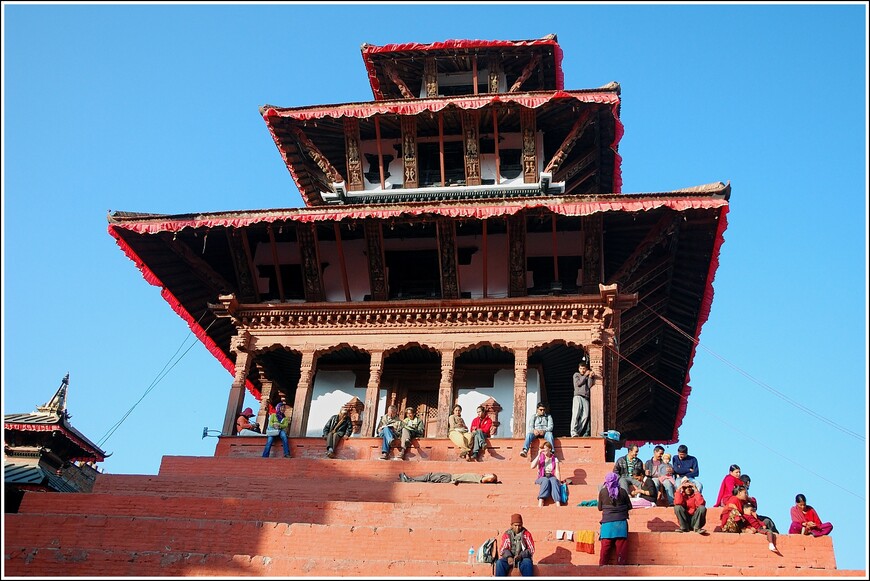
(160, 375)
(772, 390)
(734, 428)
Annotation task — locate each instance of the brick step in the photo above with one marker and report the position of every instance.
(437, 515)
(140, 534)
(111, 563)
(353, 489)
(509, 472)
(577, 450)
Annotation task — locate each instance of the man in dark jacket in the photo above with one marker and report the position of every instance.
(625, 467)
(337, 427)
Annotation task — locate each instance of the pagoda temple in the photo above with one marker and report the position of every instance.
(464, 239)
(43, 452)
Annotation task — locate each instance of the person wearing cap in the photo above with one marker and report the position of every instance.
(690, 508)
(515, 549)
(244, 425)
(336, 428)
(540, 426)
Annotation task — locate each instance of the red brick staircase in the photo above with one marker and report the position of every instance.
(237, 514)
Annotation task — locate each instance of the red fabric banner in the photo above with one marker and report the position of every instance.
(416, 106)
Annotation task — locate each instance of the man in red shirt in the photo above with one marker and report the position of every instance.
(481, 429)
(690, 508)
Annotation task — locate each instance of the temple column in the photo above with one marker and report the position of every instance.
(597, 395)
(521, 373)
(373, 392)
(238, 345)
(445, 391)
(265, 398)
(302, 402)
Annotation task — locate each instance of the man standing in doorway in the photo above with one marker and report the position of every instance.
(583, 381)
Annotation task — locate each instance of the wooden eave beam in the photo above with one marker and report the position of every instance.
(245, 273)
(317, 156)
(568, 143)
(527, 72)
(393, 75)
(202, 269)
(273, 247)
(659, 232)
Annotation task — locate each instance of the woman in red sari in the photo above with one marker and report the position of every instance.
(726, 489)
(806, 521)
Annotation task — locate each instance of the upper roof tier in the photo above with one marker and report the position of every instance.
(399, 71)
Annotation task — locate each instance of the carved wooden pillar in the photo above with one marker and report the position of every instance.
(597, 397)
(302, 402)
(471, 143)
(354, 161)
(447, 259)
(265, 398)
(355, 412)
(375, 254)
(530, 142)
(445, 391)
(373, 391)
(521, 372)
(592, 228)
(430, 77)
(409, 151)
(238, 345)
(312, 280)
(494, 70)
(517, 255)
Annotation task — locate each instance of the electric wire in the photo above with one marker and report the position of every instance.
(160, 375)
(733, 427)
(772, 390)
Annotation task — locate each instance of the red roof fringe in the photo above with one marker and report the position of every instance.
(415, 106)
(338, 213)
(25, 427)
(176, 306)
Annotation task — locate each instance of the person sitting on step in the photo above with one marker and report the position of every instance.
(337, 427)
(515, 549)
(458, 432)
(389, 427)
(481, 429)
(412, 427)
(540, 426)
(244, 425)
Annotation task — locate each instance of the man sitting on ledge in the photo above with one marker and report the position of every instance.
(446, 477)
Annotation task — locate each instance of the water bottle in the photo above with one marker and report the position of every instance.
(470, 555)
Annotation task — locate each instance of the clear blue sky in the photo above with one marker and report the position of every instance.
(154, 108)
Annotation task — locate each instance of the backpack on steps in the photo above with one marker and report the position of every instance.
(486, 552)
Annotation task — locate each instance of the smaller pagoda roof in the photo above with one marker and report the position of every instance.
(53, 417)
(455, 55)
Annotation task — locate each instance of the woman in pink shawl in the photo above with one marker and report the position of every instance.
(806, 521)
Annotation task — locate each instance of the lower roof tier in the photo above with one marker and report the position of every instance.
(663, 247)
